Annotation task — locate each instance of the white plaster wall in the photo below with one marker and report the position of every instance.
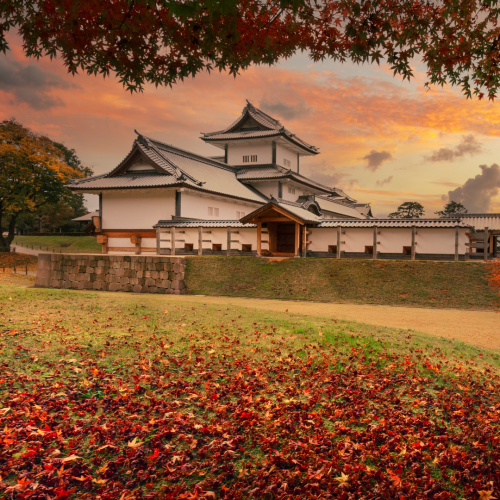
(288, 196)
(217, 236)
(267, 188)
(440, 240)
(391, 240)
(196, 207)
(136, 209)
(235, 153)
(282, 153)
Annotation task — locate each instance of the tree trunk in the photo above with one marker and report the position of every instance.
(5, 241)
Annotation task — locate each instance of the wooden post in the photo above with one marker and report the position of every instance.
(158, 238)
(259, 238)
(228, 250)
(457, 233)
(200, 240)
(486, 245)
(304, 242)
(339, 234)
(413, 232)
(375, 242)
(136, 240)
(172, 240)
(103, 239)
(297, 239)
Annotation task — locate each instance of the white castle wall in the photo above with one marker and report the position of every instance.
(285, 153)
(235, 153)
(139, 210)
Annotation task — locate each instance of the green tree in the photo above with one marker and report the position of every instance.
(408, 210)
(33, 174)
(451, 208)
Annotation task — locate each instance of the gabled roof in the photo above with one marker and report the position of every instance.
(170, 166)
(262, 125)
(294, 210)
(265, 172)
(336, 206)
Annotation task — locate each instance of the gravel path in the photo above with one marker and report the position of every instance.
(481, 328)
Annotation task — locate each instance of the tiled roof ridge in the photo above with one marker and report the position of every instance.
(184, 152)
(454, 216)
(74, 182)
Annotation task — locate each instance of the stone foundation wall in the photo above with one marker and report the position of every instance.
(123, 273)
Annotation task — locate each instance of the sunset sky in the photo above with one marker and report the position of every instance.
(382, 140)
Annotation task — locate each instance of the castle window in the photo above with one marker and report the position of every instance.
(213, 211)
(246, 248)
(254, 158)
(249, 158)
(287, 163)
(217, 247)
(332, 249)
(291, 190)
(239, 215)
(407, 250)
(369, 250)
(188, 246)
(246, 159)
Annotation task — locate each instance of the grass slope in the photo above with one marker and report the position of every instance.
(51, 243)
(424, 284)
(120, 396)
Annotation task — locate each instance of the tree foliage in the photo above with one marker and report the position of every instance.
(451, 208)
(33, 175)
(408, 210)
(163, 41)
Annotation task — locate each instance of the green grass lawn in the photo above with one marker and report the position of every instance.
(64, 244)
(459, 285)
(125, 396)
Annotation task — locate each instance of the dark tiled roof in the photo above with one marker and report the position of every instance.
(381, 223)
(177, 167)
(270, 126)
(203, 223)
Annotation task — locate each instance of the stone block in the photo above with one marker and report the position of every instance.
(153, 289)
(159, 266)
(150, 282)
(86, 277)
(155, 275)
(166, 284)
(97, 285)
(67, 284)
(149, 260)
(171, 275)
(132, 274)
(105, 286)
(179, 276)
(140, 274)
(177, 292)
(124, 280)
(119, 272)
(137, 288)
(88, 285)
(126, 288)
(125, 265)
(90, 269)
(101, 263)
(175, 284)
(147, 274)
(78, 285)
(151, 265)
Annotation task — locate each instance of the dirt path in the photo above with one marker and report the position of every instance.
(481, 328)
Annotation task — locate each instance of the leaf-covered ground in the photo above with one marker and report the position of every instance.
(9, 260)
(121, 396)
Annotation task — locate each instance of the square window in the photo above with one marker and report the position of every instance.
(239, 215)
(216, 212)
(210, 211)
(291, 190)
(407, 250)
(246, 248)
(332, 249)
(287, 163)
(369, 250)
(217, 247)
(246, 159)
(254, 158)
(188, 246)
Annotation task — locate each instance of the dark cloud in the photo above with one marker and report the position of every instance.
(286, 111)
(385, 181)
(376, 158)
(30, 84)
(477, 192)
(468, 145)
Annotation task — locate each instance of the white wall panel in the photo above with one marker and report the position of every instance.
(196, 207)
(136, 209)
(236, 152)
